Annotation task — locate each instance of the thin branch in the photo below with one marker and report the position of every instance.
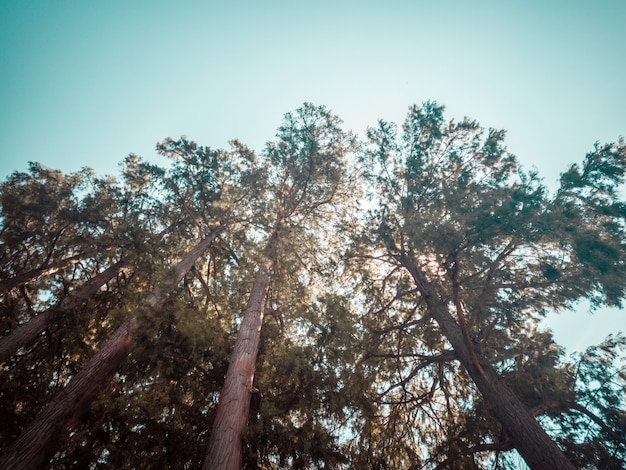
(193, 218)
(36, 274)
(427, 360)
(196, 273)
(564, 405)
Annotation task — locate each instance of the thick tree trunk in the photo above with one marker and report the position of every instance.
(37, 443)
(225, 450)
(28, 332)
(34, 274)
(529, 438)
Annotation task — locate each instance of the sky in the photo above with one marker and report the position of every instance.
(85, 83)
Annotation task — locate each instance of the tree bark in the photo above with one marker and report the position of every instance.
(37, 443)
(225, 451)
(527, 436)
(34, 274)
(35, 446)
(28, 332)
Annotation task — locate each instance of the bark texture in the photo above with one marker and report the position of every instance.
(225, 450)
(34, 274)
(528, 437)
(35, 446)
(28, 332)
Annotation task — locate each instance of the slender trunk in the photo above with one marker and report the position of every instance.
(225, 450)
(28, 332)
(34, 274)
(37, 443)
(529, 438)
(158, 295)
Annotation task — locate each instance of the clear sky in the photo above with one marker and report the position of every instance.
(84, 83)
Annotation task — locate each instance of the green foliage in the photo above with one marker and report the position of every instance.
(353, 370)
(592, 430)
(491, 241)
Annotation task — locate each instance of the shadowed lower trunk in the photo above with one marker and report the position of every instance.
(529, 438)
(35, 446)
(28, 332)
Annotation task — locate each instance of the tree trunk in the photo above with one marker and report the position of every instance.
(34, 274)
(28, 332)
(529, 438)
(37, 443)
(225, 451)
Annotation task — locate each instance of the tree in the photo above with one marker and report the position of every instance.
(32, 449)
(50, 224)
(63, 412)
(305, 172)
(483, 250)
(61, 239)
(47, 219)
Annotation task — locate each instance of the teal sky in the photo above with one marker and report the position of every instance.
(84, 83)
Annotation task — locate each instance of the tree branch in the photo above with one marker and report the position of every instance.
(426, 360)
(564, 405)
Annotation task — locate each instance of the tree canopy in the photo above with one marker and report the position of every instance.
(356, 304)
